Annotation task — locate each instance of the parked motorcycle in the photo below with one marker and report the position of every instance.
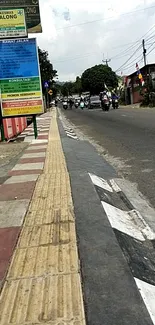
(65, 105)
(76, 104)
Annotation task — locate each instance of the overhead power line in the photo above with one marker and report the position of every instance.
(132, 63)
(140, 46)
(124, 64)
(125, 52)
(106, 19)
(128, 49)
(137, 60)
(151, 51)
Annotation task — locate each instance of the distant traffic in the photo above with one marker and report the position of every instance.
(105, 100)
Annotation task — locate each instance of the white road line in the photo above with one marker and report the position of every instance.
(142, 225)
(138, 201)
(68, 129)
(72, 136)
(98, 181)
(122, 221)
(147, 292)
(114, 185)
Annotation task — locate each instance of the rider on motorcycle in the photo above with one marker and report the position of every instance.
(114, 100)
(70, 103)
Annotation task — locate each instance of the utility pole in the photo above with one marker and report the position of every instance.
(144, 51)
(146, 69)
(106, 61)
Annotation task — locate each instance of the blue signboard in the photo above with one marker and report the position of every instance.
(46, 84)
(20, 84)
(18, 58)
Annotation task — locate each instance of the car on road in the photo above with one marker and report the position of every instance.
(94, 102)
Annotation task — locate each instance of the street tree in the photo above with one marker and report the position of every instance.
(94, 79)
(46, 68)
(71, 87)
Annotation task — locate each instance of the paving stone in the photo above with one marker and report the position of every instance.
(18, 191)
(25, 172)
(22, 179)
(8, 240)
(31, 160)
(12, 213)
(29, 166)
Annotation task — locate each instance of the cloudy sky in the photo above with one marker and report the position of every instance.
(80, 33)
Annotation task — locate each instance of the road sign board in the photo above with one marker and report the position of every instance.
(50, 92)
(12, 23)
(32, 12)
(20, 83)
(46, 84)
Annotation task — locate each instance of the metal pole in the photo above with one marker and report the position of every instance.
(1, 126)
(47, 98)
(2, 131)
(35, 126)
(144, 51)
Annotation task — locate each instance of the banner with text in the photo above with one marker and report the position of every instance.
(12, 23)
(20, 84)
(32, 12)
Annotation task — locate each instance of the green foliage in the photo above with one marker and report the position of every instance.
(70, 88)
(95, 78)
(46, 67)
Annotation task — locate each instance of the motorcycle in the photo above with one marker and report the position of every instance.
(110, 102)
(65, 105)
(105, 103)
(82, 105)
(86, 104)
(115, 103)
(76, 104)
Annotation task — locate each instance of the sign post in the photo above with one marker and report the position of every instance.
(2, 127)
(50, 92)
(46, 86)
(35, 127)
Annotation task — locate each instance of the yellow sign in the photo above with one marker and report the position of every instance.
(24, 95)
(32, 12)
(50, 92)
(12, 23)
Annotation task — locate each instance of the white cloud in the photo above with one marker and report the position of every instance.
(74, 49)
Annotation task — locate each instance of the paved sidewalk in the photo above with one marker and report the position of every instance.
(43, 283)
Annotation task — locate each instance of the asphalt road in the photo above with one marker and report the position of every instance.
(127, 137)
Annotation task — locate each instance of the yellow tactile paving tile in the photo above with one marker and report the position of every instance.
(46, 186)
(47, 216)
(43, 282)
(54, 234)
(43, 261)
(46, 300)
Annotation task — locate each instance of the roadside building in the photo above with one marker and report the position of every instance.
(133, 87)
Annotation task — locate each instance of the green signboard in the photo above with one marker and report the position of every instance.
(32, 12)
